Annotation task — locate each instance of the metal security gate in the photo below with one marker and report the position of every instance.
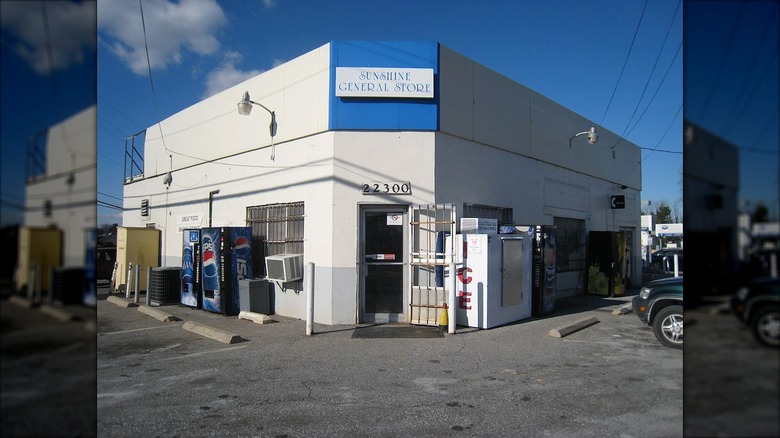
(430, 253)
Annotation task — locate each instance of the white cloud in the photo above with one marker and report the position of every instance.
(226, 75)
(269, 3)
(171, 28)
(71, 29)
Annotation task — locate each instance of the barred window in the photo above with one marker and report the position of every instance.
(570, 244)
(276, 229)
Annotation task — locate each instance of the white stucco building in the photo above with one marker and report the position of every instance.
(366, 129)
(62, 181)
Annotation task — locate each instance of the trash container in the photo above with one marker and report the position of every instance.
(254, 296)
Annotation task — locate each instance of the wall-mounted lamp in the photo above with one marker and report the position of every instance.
(245, 107)
(592, 136)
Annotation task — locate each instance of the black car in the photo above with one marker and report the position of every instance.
(663, 259)
(758, 306)
(660, 305)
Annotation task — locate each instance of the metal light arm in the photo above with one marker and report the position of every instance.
(245, 107)
(592, 136)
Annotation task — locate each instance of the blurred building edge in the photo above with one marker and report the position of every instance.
(710, 189)
(759, 245)
(60, 217)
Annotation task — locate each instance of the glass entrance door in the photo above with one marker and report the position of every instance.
(382, 258)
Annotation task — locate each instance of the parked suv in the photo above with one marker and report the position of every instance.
(660, 305)
(758, 306)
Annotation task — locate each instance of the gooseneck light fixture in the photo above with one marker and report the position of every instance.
(245, 107)
(592, 136)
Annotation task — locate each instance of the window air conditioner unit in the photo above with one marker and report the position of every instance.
(284, 267)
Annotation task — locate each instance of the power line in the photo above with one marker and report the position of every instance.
(767, 124)
(723, 60)
(655, 64)
(636, 31)
(110, 196)
(620, 140)
(151, 81)
(748, 78)
(122, 113)
(50, 65)
(756, 85)
(655, 149)
(107, 205)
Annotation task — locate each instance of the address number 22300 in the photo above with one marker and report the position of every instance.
(385, 188)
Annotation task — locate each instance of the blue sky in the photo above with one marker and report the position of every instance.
(37, 94)
(618, 63)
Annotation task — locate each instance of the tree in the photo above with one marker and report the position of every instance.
(677, 211)
(663, 214)
(760, 214)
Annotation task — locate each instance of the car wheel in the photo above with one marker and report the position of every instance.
(766, 326)
(668, 326)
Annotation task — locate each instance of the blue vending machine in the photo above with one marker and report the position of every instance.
(190, 270)
(226, 258)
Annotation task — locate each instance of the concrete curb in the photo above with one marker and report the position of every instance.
(568, 329)
(90, 326)
(157, 314)
(58, 314)
(211, 332)
(121, 302)
(257, 318)
(623, 310)
(721, 309)
(21, 302)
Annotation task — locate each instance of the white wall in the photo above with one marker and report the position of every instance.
(480, 105)
(71, 155)
(362, 157)
(296, 91)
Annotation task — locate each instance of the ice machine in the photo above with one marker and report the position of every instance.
(493, 279)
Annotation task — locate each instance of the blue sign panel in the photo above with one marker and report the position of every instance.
(384, 113)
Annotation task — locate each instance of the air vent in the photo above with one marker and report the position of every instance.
(145, 207)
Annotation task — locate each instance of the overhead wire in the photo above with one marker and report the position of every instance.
(655, 64)
(622, 70)
(655, 149)
(652, 98)
(730, 45)
(754, 91)
(748, 78)
(151, 80)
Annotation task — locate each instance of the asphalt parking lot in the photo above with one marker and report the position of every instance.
(49, 379)
(612, 378)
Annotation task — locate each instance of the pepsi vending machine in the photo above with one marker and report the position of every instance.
(190, 270)
(226, 255)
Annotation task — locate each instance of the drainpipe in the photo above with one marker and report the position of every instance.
(211, 200)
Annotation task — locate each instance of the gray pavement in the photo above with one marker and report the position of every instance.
(611, 378)
(49, 379)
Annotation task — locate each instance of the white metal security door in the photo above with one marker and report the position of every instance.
(431, 224)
